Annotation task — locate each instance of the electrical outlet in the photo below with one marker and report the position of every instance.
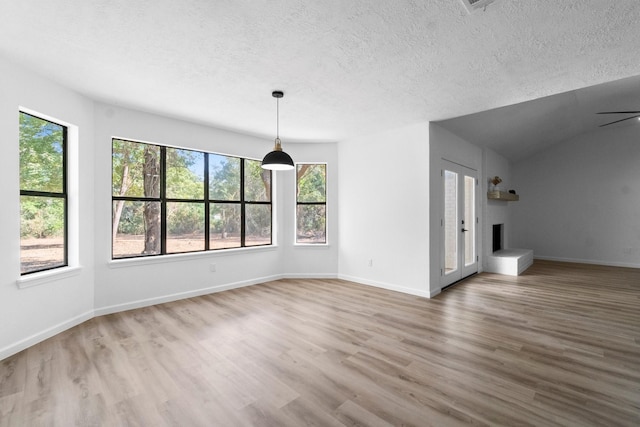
(212, 268)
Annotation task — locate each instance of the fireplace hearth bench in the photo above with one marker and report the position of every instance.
(512, 262)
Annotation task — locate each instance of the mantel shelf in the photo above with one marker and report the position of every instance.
(502, 195)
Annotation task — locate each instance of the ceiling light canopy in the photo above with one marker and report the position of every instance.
(277, 160)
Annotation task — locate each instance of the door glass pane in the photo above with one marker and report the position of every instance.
(469, 220)
(450, 221)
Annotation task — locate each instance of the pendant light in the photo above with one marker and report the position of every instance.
(277, 160)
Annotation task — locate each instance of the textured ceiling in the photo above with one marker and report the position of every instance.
(347, 67)
(520, 130)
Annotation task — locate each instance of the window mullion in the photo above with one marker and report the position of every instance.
(243, 210)
(163, 200)
(206, 203)
(65, 198)
(42, 194)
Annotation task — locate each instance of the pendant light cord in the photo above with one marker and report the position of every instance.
(278, 118)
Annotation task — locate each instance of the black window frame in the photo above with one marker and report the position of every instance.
(58, 195)
(207, 201)
(298, 203)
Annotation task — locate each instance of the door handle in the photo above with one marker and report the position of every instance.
(464, 229)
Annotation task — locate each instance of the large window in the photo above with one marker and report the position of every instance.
(43, 194)
(169, 200)
(311, 203)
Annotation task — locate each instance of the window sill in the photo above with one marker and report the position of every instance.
(312, 245)
(37, 279)
(162, 259)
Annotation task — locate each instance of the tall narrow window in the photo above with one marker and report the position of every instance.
(225, 208)
(257, 206)
(136, 199)
(185, 200)
(43, 194)
(311, 203)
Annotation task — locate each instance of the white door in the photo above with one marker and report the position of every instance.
(459, 223)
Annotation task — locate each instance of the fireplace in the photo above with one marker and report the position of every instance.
(498, 237)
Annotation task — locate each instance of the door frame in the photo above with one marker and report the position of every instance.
(462, 271)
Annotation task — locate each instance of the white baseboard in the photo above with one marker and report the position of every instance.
(309, 276)
(387, 286)
(183, 295)
(17, 347)
(588, 261)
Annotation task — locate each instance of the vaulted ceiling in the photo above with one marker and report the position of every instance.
(347, 67)
(520, 130)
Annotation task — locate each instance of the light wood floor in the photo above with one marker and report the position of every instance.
(559, 345)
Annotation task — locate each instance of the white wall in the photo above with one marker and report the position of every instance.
(384, 209)
(580, 200)
(124, 284)
(31, 314)
(445, 146)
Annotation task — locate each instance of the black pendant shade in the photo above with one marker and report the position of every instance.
(277, 160)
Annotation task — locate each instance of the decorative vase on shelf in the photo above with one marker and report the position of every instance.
(494, 183)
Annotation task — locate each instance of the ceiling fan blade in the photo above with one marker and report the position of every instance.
(618, 121)
(619, 112)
